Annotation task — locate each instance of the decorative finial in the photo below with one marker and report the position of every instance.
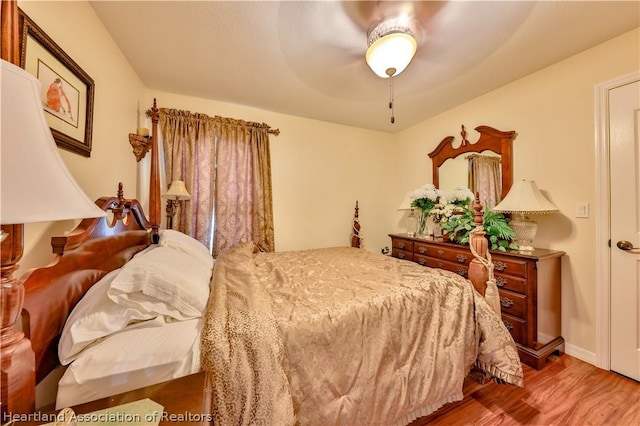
(463, 133)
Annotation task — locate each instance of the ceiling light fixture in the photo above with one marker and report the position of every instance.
(391, 46)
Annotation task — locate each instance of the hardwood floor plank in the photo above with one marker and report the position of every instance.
(566, 392)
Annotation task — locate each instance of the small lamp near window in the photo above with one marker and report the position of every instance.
(35, 186)
(524, 198)
(411, 221)
(177, 192)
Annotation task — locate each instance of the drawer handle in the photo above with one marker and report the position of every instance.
(462, 272)
(422, 261)
(440, 264)
(440, 252)
(508, 325)
(400, 255)
(422, 250)
(506, 302)
(501, 282)
(401, 245)
(500, 266)
(461, 258)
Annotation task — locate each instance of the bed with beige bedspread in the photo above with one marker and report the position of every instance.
(344, 336)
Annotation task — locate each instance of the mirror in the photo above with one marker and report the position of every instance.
(451, 168)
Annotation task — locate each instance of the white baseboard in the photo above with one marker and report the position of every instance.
(581, 354)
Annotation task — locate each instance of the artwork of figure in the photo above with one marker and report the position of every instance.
(57, 99)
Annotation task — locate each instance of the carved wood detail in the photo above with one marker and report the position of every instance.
(490, 139)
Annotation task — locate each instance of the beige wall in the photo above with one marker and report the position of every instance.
(552, 112)
(117, 93)
(320, 169)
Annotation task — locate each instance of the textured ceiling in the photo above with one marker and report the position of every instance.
(307, 58)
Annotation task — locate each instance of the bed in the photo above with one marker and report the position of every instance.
(325, 336)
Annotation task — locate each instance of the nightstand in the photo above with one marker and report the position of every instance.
(186, 400)
(528, 283)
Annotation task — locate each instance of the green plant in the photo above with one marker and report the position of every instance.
(496, 226)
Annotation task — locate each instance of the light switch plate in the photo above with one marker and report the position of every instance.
(582, 209)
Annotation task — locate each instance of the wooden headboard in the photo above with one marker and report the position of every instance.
(94, 248)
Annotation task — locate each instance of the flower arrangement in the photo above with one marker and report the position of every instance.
(424, 199)
(461, 196)
(441, 213)
(454, 204)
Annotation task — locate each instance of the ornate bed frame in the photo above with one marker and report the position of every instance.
(83, 257)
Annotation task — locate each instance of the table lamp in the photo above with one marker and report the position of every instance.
(35, 186)
(177, 192)
(524, 198)
(411, 221)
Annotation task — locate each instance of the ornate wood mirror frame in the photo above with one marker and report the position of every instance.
(490, 139)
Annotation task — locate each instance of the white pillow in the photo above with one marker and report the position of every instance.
(130, 360)
(96, 316)
(164, 281)
(178, 240)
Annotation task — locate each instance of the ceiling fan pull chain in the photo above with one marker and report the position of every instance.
(393, 119)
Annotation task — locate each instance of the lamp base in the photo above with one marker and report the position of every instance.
(411, 224)
(525, 231)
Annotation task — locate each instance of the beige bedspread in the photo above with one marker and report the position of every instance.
(344, 336)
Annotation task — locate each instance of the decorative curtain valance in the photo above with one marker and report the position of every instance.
(216, 119)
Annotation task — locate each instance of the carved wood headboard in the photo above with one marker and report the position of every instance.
(94, 248)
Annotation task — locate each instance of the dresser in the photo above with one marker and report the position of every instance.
(528, 283)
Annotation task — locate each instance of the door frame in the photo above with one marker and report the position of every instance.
(603, 217)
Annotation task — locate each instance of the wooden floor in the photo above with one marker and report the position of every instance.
(566, 392)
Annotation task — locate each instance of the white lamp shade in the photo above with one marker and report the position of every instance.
(524, 197)
(394, 50)
(35, 184)
(177, 191)
(406, 202)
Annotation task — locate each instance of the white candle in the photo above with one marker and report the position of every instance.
(143, 131)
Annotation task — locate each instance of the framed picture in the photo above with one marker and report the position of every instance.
(66, 90)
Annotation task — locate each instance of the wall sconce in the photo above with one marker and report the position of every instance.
(141, 142)
(177, 192)
(524, 198)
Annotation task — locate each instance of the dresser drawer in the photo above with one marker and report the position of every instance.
(432, 262)
(401, 254)
(508, 282)
(513, 303)
(462, 257)
(405, 245)
(509, 266)
(516, 327)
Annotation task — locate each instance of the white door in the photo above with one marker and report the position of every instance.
(624, 135)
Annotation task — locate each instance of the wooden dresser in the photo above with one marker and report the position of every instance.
(529, 287)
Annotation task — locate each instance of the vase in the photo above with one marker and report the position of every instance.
(422, 224)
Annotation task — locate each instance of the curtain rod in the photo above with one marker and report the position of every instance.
(170, 111)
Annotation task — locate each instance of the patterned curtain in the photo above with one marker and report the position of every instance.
(226, 167)
(485, 178)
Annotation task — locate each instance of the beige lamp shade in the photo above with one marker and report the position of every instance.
(406, 202)
(525, 197)
(177, 191)
(35, 184)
